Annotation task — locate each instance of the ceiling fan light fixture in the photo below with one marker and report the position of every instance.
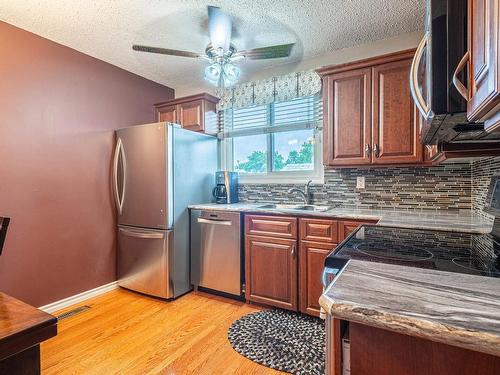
(213, 72)
(220, 53)
(222, 75)
(231, 73)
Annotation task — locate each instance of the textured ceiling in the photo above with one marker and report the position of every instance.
(106, 29)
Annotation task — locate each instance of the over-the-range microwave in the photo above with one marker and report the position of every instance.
(443, 46)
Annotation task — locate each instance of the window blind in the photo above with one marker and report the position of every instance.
(296, 114)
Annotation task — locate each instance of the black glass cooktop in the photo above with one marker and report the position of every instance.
(475, 254)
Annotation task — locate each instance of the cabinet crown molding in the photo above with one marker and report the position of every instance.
(366, 63)
(190, 98)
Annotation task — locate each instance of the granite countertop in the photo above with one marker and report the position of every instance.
(452, 308)
(460, 220)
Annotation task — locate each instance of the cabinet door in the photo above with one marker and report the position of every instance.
(396, 132)
(483, 42)
(346, 227)
(191, 115)
(347, 104)
(271, 271)
(311, 263)
(168, 114)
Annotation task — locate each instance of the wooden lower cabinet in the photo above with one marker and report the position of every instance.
(377, 351)
(285, 255)
(311, 263)
(271, 271)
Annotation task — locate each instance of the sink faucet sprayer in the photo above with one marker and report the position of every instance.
(306, 193)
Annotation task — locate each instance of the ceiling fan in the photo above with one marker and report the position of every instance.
(221, 53)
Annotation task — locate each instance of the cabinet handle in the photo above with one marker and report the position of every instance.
(376, 150)
(368, 150)
(293, 252)
(462, 90)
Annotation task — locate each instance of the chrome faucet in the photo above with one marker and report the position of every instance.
(306, 193)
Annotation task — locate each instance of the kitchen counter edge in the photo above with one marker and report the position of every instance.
(461, 221)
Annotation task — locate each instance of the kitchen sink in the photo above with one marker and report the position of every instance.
(300, 207)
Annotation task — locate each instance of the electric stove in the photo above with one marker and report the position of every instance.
(450, 251)
(475, 254)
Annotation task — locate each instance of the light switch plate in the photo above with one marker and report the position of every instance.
(360, 182)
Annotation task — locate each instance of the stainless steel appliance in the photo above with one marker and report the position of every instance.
(226, 187)
(216, 261)
(434, 76)
(158, 169)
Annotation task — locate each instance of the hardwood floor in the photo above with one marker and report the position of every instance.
(127, 333)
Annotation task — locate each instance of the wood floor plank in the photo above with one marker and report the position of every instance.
(128, 333)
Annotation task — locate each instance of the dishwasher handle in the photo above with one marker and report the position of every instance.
(214, 222)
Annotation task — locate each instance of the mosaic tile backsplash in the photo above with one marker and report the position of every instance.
(441, 187)
(481, 172)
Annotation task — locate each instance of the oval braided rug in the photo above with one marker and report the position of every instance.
(281, 340)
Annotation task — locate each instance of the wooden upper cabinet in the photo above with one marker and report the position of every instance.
(395, 119)
(197, 112)
(168, 114)
(191, 115)
(347, 129)
(369, 116)
(484, 61)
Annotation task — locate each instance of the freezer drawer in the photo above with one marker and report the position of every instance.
(142, 263)
(216, 250)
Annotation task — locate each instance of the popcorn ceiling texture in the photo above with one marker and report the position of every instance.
(441, 187)
(482, 170)
(316, 26)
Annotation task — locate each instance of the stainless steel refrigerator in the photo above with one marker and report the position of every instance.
(158, 170)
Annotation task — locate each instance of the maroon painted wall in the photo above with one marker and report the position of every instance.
(58, 108)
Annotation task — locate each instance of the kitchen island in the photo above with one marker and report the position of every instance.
(413, 320)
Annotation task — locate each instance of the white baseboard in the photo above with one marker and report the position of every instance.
(63, 303)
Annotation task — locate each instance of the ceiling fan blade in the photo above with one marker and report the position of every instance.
(165, 51)
(271, 52)
(219, 28)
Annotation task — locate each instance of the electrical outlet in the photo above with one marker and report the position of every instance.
(360, 182)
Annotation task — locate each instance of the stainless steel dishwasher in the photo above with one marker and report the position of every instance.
(216, 259)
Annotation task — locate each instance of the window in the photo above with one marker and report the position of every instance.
(278, 142)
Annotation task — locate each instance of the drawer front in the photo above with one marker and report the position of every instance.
(346, 227)
(319, 230)
(272, 226)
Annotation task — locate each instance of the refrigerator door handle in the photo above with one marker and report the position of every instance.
(119, 198)
(141, 234)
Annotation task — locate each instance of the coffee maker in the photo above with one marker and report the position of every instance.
(226, 187)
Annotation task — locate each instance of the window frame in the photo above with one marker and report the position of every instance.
(277, 177)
